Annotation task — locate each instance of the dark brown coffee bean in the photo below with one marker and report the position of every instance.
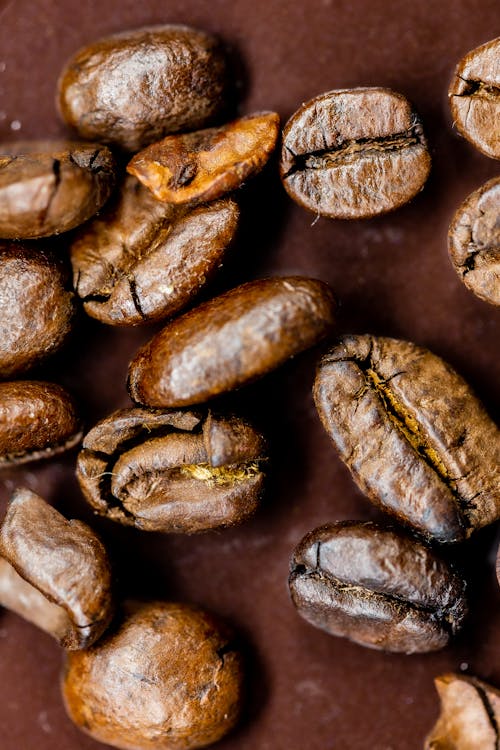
(132, 88)
(377, 587)
(354, 153)
(207, 164)
(48, 187)
(53, 572)
(169, 678)
(470, 715)
(172, 471)
(413, 434)
(474, 96)
(143, 260)
(474, 242)
(231, 340)
(36, 306)
(37, 420)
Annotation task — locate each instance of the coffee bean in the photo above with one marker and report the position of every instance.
(377, 587)
(132, 88)
(48, 187)
(53, 572)
(36, 306)
(206, 164)
(37, 420)
(474, 242)
(470, 715)
(413, 434)
(172, 471)
(231, 340)
(142, 260)
(474, 96)
(169, 677)
(354, 153)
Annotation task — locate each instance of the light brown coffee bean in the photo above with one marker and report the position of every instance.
(169, 678)
(169, 471)
(54, 573)
(470, 715)
(474, 97)
(37, 420)
(37, 305)
(207, 164)
(142, 260)
(354, 153)
(378, 587)
(132, 88)
(231, 340)
(413, 434)
(48, 187)
(474, 242)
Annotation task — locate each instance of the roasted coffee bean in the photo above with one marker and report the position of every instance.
(474, 241)
(132, 88)
(354, 153)
(207, 164)
(231, 340)
(377, 587)
(470, 715)
(413, 434)
(474, 96)
(172, 471)
(143, 260)
(53, 572)
(36, 306)
(170, 678)
(37, 420)
(48, 187)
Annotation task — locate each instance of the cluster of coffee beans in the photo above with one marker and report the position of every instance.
(414, 436)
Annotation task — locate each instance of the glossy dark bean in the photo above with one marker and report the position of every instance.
(354, 153)
(376, 587)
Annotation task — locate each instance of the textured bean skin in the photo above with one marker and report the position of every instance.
(37, 306)
(172, 471)
(169, 678)
(470, 715)
(62, 570)
(474, 97)
(142, 260)
(377, 587)
(37, 420)
(207, 164)
(413, 434)
(231, 340)
(354, 153)
(130, 89)
(474, 242)
(49, 187)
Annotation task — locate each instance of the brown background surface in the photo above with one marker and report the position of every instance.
(392, 276)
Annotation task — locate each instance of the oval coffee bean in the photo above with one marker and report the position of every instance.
(206, 164)
(37, 420)
(474, 96)
(474, 242)
(413, 434)
(169, 677)
(172, 471)
(470, 715)
(142, 260)
(36, 306)
(48, 187)
(377, 587)
(132, 88)
(54, 572)
(231, 340)
(354, 153)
